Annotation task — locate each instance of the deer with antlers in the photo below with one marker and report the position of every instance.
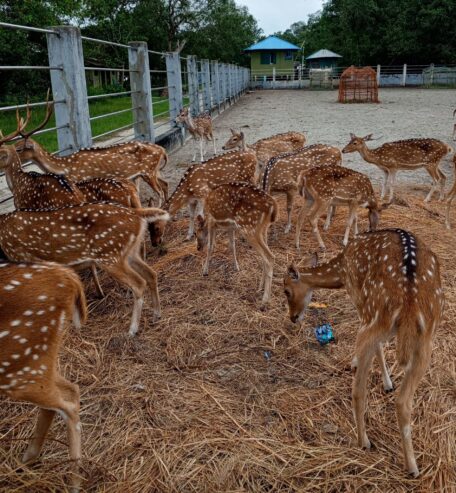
(102, 235)
(200, 179)
(37, 302)
(267, 148)
(410, 154)
(393, 279)
(241, 206)
(325, 187)
(200, 128)
(282, 172)
(134, 160)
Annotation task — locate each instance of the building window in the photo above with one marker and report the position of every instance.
(288, 55)
(268, 58)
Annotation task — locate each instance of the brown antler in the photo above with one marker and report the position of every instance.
(20, 126)
(49, 109)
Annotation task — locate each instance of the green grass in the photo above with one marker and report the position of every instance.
(96, 107)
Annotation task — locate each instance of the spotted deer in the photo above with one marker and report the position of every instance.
(267, 148)
(282, 172)
(134, 160)
(393, 279)
(200, 179)
(81, 236)
(410, 154)
(240, 206)
(450, 197)
(200, 128)
(325, 187)
(37, 302)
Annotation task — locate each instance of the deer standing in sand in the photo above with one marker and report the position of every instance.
(410, 154)
(240, 206)
(282, 172)
(393, 279)
(267, 148)
(134, 160)
(82, 236)
(326, 187)
(37, 302)
(200, 179)
(200, 128)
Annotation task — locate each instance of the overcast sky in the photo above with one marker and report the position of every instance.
(278, 15)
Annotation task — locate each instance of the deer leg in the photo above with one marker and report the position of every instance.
(305, 211)
(266, 255)
(442, 181)
(448, 207)
(351, 218)
(435, 181)
(329, 216)
(316, 211)
(390, 184)
(213, 144)
(201, 149)
(194, 149)
(384, 183)
(44, 421)
(98, 288)
(412, 376)
(192, 212)
(153, 183)
(454, 132)
(150, 277)
(355, 226)
(291, 194)
(232, 234)
(210, 248)
(387, 384)
(164, 187)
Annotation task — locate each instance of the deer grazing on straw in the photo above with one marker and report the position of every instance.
(409, 155)
(282, 172)
(266, 149)
(325, 187)
(239, 205)
(199, 179)
(82, 236)
(37, 302)
(393, 279)
(133, 160)
(200, 128)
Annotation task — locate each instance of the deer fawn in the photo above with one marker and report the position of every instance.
(200, 128)
(266, 149)
(37, 302)
(199, 179)
(325, 187)
(131, 161)
(239, 205)
(81, 236)
(409, 154)
(282, 172)
(393, 279)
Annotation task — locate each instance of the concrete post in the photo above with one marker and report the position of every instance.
(174, 77)
(216, 84)
(228, 83)
(69, 84)
(141, 97)
(379, 70)
(273, 77)
(404, 75)
(206, 81)
(193, 85)
(224, 84)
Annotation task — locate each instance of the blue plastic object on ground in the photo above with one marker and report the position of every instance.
(324, 334)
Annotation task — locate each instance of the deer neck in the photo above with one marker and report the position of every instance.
(328, 275)
(49, 163)
(368, 155)
(190, 123)
(14, 172)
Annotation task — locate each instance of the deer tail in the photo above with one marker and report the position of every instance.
(273, 211)
(411, 330)
(153, 214)
(163, 161)
(135, 202)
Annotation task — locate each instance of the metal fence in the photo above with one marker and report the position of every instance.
(387, 76)
(157, 86)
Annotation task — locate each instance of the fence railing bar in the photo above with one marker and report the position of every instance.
(59, 151)
(103, 42)
(113, 131)
(111, 95)
(156, 52)
(158, 71)
(159, 88)
(162, 124)
(29, 67)
(162, 113)
(31, 105)
(27, 28)
(107, 69)
(6, 200)
(106, 115)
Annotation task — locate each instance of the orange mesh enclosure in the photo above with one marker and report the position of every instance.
(358, 85)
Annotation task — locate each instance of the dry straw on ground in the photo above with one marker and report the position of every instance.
(194, 405)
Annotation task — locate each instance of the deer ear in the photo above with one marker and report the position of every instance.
(232, 132)
(352, 136)
(242, 135)
(293, 272)
(368, 137)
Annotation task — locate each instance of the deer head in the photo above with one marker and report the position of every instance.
(156, 231)
(356, 143)
(182, 117)
(237, 139)
(297, 291)
(201, 232)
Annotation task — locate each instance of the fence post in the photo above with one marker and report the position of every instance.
(228, 83)
(174, 77)
(404, 75)
(69, 84)
(432, 75)
(206, 81)
(224, 85)
(273, 77)
(193, 85)
(379, 69)
(141, 95)
(216, 84)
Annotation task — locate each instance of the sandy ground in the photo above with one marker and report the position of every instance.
(402, 113)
